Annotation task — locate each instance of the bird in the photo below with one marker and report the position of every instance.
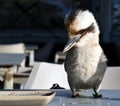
(85, 61)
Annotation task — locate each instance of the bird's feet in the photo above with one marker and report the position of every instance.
(75, 95)
(97, 95)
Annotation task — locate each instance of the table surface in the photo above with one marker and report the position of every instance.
(11, 58)
(63, 98)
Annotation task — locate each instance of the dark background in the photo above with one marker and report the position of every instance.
(41, 23)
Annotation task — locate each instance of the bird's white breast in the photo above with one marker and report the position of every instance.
(81, 62)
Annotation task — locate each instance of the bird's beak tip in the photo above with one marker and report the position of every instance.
(71, 43)
(65, 50)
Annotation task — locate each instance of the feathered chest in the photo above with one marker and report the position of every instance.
(82, 60)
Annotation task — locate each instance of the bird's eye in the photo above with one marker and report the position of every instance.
(83, 31)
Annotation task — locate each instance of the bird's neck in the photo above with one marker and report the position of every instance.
(88, 41)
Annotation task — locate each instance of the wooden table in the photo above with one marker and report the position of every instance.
(8, 60)
(63, 98)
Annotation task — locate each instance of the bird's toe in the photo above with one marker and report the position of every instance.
(97, 96)
(75, 95)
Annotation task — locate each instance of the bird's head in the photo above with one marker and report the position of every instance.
(82, 28)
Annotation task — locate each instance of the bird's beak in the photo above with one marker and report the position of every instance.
(71, 42)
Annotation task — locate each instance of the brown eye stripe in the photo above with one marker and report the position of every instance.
(73, 32)
(84, 31)
(81, 31)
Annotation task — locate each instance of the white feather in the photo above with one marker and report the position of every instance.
(84, 19)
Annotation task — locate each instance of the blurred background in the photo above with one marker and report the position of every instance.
(40, 24)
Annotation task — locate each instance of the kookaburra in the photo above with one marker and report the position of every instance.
(85, 61)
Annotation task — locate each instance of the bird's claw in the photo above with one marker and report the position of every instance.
(97, 96)
(75, 95)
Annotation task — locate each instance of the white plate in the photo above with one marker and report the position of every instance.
(26, 97)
